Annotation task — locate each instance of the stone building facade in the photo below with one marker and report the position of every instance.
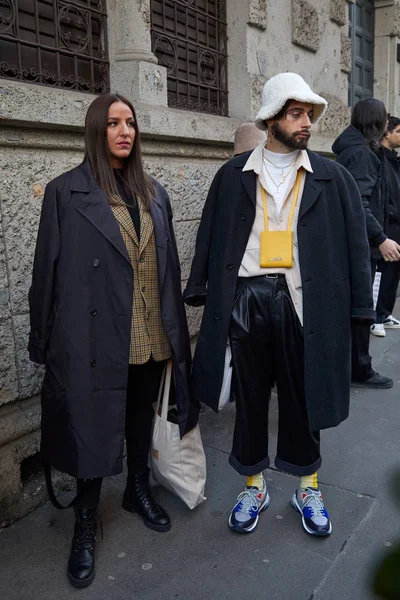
(184, 140)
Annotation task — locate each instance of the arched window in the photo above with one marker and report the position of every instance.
(189, 39)
(55, 43)
(361, 33)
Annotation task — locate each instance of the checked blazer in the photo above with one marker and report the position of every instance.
(148, 335)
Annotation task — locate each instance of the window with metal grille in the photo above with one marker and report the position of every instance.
(189, 38)
(55, 43)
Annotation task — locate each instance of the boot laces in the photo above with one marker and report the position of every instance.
(85, 537)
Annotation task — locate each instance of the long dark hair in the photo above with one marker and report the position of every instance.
(97, 152)
(369, 116)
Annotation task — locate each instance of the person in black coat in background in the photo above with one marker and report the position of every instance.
(359, 149)
(390, 270)
(287, 321)
(106, 312)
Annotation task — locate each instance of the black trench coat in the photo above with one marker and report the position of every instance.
(335, 271)
(81, 311)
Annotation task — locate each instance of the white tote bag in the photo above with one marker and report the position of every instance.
(177, 464)
(376, 286)
(225, 394)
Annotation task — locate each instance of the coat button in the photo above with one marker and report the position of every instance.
(92, 363)
(96, 262)
(217, 316)
(93, 312)
(229, 266)
(141, 259)
(143, 289)
(243, 217)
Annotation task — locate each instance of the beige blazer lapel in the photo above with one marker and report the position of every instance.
(123, 217)
(146, 227)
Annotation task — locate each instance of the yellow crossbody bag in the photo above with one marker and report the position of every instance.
(276, 247)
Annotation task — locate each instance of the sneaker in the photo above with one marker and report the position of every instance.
(391, 323)
(376, 382)
(315, 517)
(245, 514)
(378, 330)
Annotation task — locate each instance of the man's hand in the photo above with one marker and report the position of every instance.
(390, 250)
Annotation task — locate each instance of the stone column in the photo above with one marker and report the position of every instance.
(134, 69)
(386, 68)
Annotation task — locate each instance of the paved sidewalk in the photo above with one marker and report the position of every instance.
(200, 558)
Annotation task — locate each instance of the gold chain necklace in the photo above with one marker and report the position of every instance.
(283, 179)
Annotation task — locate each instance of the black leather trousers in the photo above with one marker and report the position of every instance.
(267, 346)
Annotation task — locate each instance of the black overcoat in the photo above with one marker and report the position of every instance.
(335, 271)
(368, 169)
(81, 310)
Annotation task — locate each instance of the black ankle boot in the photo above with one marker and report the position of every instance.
(138, 498)
(81, 559)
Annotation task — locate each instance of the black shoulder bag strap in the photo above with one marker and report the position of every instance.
(50, 491)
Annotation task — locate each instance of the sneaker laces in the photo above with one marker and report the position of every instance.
(314, 501)
(248, 500)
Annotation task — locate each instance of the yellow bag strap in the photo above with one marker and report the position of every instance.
(294, 202)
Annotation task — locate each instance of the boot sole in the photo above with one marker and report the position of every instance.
(132, 509)
(81, 583)
(361, 384)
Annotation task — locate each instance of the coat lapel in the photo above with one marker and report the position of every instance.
(314, 183)
(249, 180)
(161, 238)
(93, 205)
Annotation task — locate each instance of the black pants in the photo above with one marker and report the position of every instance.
(267, 345)
(142, 390)
(361, 361)
(388, 289)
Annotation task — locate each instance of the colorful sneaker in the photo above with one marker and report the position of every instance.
(315, 517)
(391, 323)
(378, 329)
(245, 514)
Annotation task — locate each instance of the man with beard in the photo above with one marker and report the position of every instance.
(282, 267)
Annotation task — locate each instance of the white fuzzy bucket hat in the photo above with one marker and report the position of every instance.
(283, 87)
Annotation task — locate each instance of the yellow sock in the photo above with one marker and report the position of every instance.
(310, 481)
(255, 481)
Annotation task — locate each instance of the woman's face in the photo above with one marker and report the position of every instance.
(120, 133)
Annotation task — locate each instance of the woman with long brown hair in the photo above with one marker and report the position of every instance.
(106, 313)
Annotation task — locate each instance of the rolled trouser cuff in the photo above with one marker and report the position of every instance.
(246, 470)
(282, 465)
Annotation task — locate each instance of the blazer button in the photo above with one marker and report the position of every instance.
(96, 262)
(229, 266)
(243, 217)
(92, 363)
(93, 312)
(141, 259)
(217, 316)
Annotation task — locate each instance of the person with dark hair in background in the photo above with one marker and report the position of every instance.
(106, 312)
(390, 270)
(359, 149)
